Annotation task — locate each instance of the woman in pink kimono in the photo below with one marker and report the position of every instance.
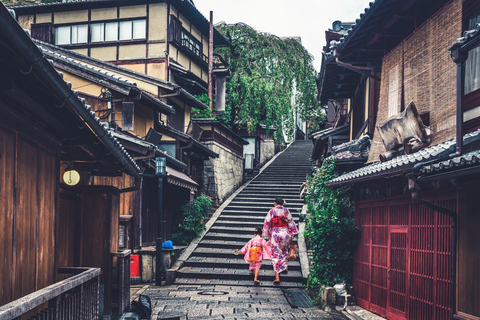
(280, 229)
(255, 251)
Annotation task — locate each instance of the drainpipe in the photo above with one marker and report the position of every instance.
(210, 62)
(459, 58)
(414, 188)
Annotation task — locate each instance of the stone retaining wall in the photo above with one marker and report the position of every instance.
(267, 150)
(222, 175)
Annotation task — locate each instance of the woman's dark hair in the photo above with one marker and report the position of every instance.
(258, 230)
(279, 201)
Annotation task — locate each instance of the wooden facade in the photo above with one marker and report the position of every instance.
(45, 128)
(402, 262)
(168, 40)
(29, 175)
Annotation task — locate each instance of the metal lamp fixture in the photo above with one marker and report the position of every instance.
(160, 164)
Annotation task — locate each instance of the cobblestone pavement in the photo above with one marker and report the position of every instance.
(225, 302)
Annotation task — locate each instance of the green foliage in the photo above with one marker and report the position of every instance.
(268, 75)
(191, 225)
(330, 230)
(206, 113)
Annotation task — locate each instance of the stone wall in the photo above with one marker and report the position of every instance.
(421, 66)
(267, 150)
(222, 175)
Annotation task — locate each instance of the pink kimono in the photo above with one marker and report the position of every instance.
(280, 228)
(255, 251)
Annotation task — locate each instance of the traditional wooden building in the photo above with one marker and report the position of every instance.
(165, 39)
(411, 204)
(54, 222)
(149, 206)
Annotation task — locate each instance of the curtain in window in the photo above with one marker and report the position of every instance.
(139, 29)
(126, 30)
(79, 34)
(472, 65)
(98, 32)
(62, 35)
(111, 31)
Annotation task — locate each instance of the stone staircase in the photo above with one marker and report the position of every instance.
(213, 260)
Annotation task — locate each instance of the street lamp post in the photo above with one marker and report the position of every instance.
(160, 164)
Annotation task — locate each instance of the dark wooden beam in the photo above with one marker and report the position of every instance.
(12, 119)
(23, 100)
(390, 21)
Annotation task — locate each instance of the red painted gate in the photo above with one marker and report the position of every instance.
(402, 262)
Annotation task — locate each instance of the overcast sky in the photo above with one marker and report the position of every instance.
(305, 18)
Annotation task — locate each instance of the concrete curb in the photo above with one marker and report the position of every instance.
(172, 272)
(302, 247)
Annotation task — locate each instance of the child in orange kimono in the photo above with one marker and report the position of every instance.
(255, 251)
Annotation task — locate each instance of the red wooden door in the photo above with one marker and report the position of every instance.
(402, 261)
(397, 272)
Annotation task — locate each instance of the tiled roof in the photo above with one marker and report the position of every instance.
(106, 77)
(213, 121)
(76, 103)
(402, 163)
(329, 131)
(171, 87)
(466, 160)
(469, 34)
(334, 44)
(354, 150)
(196, 143)
(46, 4)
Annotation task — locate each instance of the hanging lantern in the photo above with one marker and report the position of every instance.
(71, 177)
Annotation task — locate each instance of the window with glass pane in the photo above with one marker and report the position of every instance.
(111, 31)
(98, 31)
(126, 30)
(472, 65)
(79, 34)
(139, 29)
(62, 35)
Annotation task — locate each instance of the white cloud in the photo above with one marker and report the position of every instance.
(305, 18)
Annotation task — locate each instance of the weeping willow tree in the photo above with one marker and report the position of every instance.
(270, 77)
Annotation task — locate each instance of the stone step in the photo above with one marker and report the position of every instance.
(260, 207)
(250, 200)
(239, 283)
(277, 188)
(239, 218)
(232, 230)
(222, 236)
(256, 213)
(266, 193)
(224, 251)
(219, 236)
(236, 274)
(232, 263)
(265, 201)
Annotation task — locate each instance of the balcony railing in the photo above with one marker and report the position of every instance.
(190, 46)
(74, 298)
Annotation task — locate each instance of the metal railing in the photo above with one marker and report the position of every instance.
(74, 298)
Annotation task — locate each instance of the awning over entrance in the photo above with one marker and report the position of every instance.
(180, 179)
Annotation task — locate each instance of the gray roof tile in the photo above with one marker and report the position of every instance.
(406, 162)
